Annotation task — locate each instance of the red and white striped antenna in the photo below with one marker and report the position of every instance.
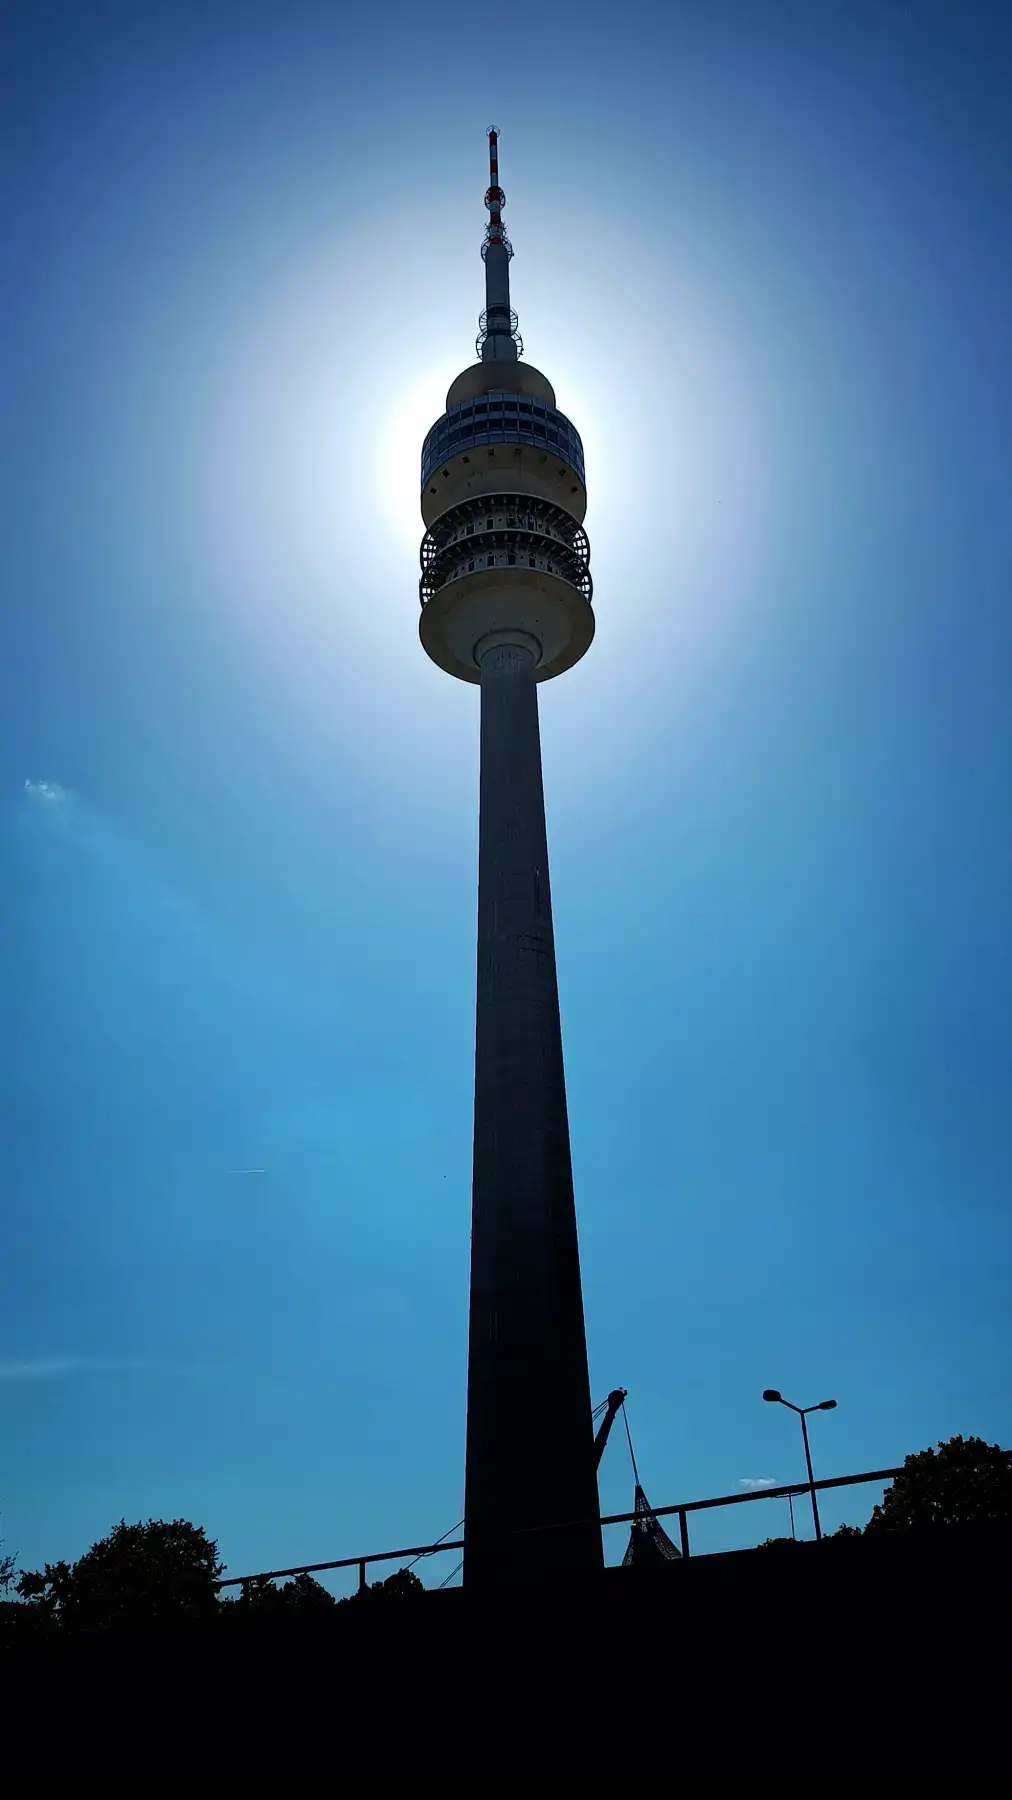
(495, 199)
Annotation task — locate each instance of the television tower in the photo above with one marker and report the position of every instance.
(506, 603)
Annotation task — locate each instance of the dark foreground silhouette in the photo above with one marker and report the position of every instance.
(873, 1653)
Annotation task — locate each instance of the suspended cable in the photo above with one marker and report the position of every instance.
(451, 1575)
(424, 1553)
(632, 1453)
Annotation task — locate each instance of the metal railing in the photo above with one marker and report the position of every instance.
(792, 1489)
(682, 1509)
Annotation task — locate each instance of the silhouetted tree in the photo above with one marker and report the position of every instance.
(47, 1591)
(402, 1584)
(140, 1573)
(301, 1595)
(964, 1482)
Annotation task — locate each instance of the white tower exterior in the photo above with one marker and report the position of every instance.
(506, 603)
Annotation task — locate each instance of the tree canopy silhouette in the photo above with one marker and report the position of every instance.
(303, 1594)
(964, 1482)
(158, 1571)
(401, 1584)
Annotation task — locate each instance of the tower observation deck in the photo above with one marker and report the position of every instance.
(506, 603)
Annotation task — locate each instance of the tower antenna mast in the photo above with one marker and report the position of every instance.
(498, 338)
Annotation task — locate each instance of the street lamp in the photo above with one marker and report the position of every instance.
(823, 1406)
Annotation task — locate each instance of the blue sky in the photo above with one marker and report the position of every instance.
(762, 253)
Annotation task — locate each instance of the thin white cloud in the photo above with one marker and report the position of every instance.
(758, 1481)
(59, 1368)
(46, 793)
(43, 1368)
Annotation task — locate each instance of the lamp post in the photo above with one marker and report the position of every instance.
(823, 1406)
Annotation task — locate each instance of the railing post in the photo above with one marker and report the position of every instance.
(683, 1528)
(362, 1583)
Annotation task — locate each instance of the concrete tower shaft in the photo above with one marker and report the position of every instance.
(530, 1462)
(506, 597)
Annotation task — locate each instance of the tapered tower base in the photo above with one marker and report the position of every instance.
(530, 1456)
